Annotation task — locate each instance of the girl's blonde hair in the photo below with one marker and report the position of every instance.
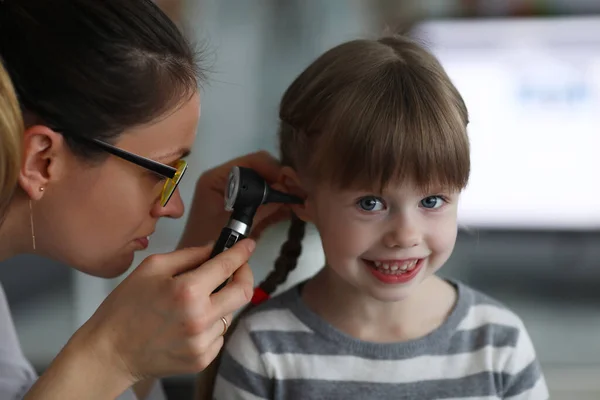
(366, 114)
(11, 133)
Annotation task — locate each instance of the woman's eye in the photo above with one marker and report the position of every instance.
(432, 202)
(370, 204)
(157, 177)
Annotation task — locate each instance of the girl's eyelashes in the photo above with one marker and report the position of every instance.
(370, 204)
(433, 202)
(376, 203)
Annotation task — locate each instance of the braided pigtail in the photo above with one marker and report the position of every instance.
(285, 263)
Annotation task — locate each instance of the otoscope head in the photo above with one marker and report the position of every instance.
(246, 190)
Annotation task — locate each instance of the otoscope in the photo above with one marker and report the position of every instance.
(246, 190)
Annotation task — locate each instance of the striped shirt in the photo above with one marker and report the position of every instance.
(282, 350)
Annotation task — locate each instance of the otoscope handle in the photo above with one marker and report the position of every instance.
(227, 239)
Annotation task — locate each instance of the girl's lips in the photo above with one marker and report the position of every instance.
(394, 276)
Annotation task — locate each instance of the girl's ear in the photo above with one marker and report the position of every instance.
(289, 181)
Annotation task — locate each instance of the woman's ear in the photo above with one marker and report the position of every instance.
(39, 166)
(291, 183)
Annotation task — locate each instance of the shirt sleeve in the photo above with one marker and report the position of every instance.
(242, 374)
(525, 379)
(16, 373)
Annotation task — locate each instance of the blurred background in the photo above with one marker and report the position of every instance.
(530, 219)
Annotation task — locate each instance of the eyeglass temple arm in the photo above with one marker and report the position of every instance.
(161, 169)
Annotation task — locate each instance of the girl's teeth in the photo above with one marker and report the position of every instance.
(396, 268)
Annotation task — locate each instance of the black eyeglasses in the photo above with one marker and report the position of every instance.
(173, 174)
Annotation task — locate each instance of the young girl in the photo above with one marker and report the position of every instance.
(373, 136)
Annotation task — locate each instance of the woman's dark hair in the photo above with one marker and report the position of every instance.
(94, 68)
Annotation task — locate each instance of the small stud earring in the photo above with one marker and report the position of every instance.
(41, 189)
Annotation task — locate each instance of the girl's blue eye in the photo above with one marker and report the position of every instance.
(370, 203)
(432, 202)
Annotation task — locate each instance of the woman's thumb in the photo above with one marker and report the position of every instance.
(177, 262)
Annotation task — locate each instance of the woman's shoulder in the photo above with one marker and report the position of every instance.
(16, 373)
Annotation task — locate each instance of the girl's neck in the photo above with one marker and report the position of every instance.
(365, 318)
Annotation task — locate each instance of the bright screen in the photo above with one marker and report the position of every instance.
(532, 87)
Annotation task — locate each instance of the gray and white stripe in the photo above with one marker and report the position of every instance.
(284, 351)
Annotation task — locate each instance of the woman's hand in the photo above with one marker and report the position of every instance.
(208, 216)
(161, 320)
(164, 320)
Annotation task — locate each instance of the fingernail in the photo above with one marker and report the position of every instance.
(250, 245)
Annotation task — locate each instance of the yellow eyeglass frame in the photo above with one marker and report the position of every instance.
(171, 183)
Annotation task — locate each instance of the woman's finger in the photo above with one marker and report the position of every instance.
(208, 276)
(209, 355)
(267, 166)
(235, 294)
(203, 340)
(178, 261)
(279, 215)
(198, 352)
(219, 328)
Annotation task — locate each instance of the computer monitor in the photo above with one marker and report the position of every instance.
(532, 88)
